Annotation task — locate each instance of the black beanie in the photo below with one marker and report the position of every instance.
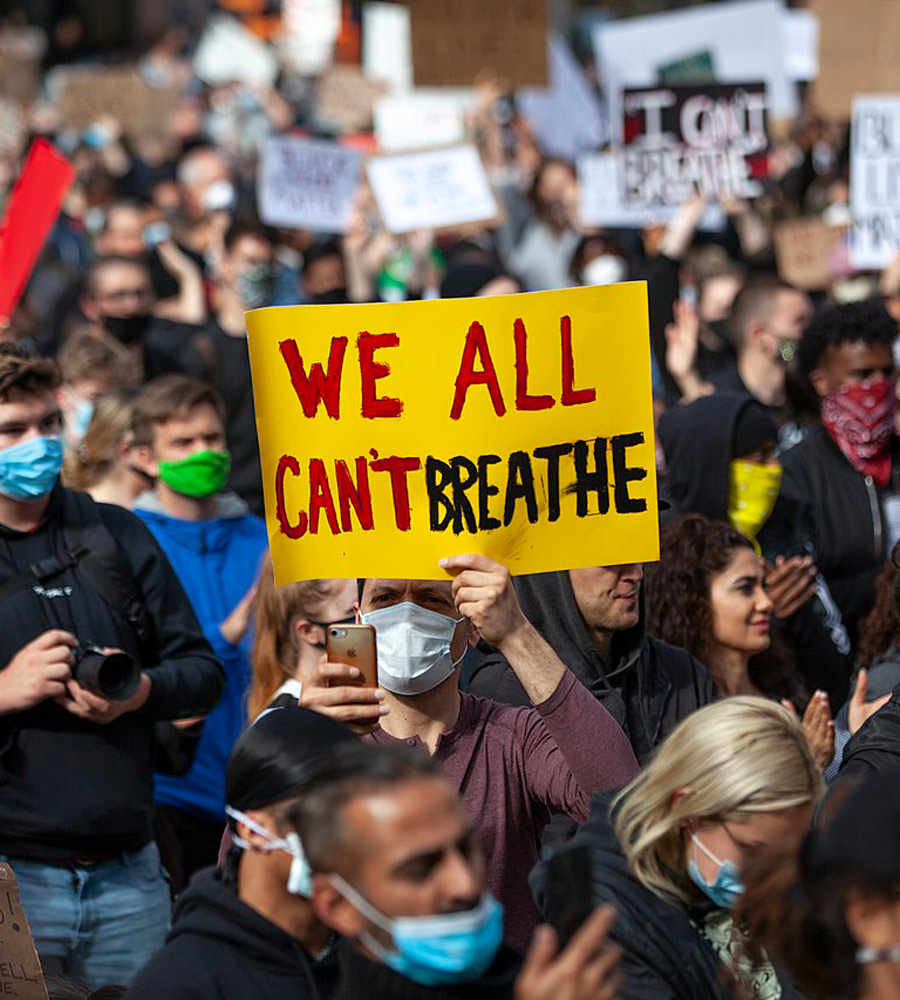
(465, 280)
(274, 757)
(753, 429)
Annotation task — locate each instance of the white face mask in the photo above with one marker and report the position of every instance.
(413, 647)
(300, 878)
(606, 269)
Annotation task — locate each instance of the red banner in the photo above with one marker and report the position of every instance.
(31, 211)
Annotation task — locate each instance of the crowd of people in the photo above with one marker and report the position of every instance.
(676, 781)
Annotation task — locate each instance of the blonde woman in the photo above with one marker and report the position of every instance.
(289, 648)
(667, 851)
(100, 463)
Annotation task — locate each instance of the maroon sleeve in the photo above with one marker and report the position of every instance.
(573, 748)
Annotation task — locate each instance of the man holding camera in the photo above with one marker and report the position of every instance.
(97, 642)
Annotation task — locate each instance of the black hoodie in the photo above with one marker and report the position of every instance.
(221, 948)
(648, 686)
(698, 442)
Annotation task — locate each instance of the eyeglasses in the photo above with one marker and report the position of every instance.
(350, 620)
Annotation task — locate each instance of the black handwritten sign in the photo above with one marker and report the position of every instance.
(712, 137)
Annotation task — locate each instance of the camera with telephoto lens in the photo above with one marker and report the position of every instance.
(114, 676)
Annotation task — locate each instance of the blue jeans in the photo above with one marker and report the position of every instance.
(99, 923)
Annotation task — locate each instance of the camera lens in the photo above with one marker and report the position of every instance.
(114, 676)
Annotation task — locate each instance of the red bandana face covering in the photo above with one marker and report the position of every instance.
(860, 420)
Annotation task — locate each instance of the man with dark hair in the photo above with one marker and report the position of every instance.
(118, 303)
(221, 356)
(215, 547)
(846, 468)
(401, 876)
(766, 323)
(324, 279)
(75, 761)
(245, 930)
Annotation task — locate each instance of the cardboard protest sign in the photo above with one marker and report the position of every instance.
(743, 38)
(601, 198)
(518, 426)
(346, 97)
(86, 93)
(20, 968)
(453, 43)
(21, 52)
(433, 189)
(307, 184)
(227, 51)
(858, 44)
(803, 249)
(874, 177)
(712, 137)
(567, 118)
(421, 118)
(31, 211)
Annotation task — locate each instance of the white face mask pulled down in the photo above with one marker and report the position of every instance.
(300, 878)
(413, 647)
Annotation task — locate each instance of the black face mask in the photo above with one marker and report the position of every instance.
(126, 329)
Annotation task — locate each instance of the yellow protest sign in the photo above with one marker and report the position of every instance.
(395, 434)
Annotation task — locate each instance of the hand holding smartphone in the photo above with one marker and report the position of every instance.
(354, 645)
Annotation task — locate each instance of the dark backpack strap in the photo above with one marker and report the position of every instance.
(99, 558)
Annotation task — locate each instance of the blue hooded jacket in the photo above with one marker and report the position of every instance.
(217, 562)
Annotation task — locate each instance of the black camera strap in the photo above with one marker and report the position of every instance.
(92, 550)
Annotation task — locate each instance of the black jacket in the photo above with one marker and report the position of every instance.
(847, 521)
(647, 686)
(698, 442)
(221, 949)
(875, 748)
(359, 978)
(664, 956)
(71, 788)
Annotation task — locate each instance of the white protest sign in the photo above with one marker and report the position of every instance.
(800, 43)
(434, 189)
(601, 199)
(743, 39)
(307, 183)
(228, 52)
(421, 119)
(874, 173)
(387, 44)
(311, 28)
(568, 117)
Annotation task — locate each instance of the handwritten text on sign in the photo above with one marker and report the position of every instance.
(393, 435)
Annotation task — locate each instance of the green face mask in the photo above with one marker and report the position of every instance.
(199, 475)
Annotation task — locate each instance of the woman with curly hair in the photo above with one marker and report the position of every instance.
(708, 595)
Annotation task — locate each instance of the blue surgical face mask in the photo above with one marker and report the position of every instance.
(28, 470)
(413, 647)
(727, 888)
(442, 950)
(80, 419)
(300, 879)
